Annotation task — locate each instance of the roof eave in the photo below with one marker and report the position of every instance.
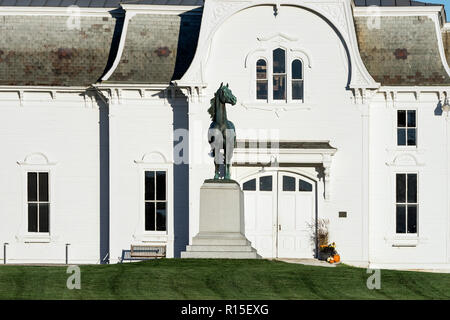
(160, 9)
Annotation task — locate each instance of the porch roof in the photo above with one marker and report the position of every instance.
(286, 153)
(250, 144)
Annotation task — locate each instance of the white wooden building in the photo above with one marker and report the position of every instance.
(341, 115)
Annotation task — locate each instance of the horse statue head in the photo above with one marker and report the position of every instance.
(225, 95)
(221, 133)
(222, 96)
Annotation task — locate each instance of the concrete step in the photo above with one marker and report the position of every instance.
(220, 242)
(220, 255)
(308, 262)
(233, 248)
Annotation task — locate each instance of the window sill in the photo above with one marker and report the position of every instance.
(406, 148)
(36, 238)
(151, 236)
(404, 241)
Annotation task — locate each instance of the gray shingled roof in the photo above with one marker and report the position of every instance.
(158, 48)
(446, 38)
(403, 51)
(38, 50)
(393, 3)
(95, 3)
(46, 51)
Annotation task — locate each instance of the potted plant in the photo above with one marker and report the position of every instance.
(319, 234)
(327, 252)
(319, 238)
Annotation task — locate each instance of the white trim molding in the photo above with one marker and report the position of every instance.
(155, 161)
(122, 40)
(406, 241)
(293, 51)
(337, 13)
(53, 93)
(37, 162)
(55, 11)
(160, 9)
(114, 93)
(392, 238)
(131, 10)
(36, 159)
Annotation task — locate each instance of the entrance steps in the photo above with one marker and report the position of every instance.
(220, 255)
(221, 239)
(220, 246)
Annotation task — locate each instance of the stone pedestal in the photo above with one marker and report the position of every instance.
(221, 228)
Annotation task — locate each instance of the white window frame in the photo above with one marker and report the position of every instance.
(289, 58)
(39, 202)
(406, 147)
(154, 161)
(156, 201)
(406, 204)
(403, 163)
(302, 80)
(266, 53)
(37, 162)
(287, 73)
(268, 65)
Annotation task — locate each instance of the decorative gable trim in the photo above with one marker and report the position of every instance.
(338, 14)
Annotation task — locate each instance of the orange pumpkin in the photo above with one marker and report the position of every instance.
(336, 258)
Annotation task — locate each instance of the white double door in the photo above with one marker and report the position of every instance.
(279, 207)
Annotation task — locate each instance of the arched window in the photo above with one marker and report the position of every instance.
(279, 74)
(297, 80)
(281, 77)
(261, 79)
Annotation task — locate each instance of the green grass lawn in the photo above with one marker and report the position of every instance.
(217, 279)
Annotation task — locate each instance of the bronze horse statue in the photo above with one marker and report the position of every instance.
(221, 133)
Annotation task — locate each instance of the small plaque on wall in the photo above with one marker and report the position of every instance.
(342, 214)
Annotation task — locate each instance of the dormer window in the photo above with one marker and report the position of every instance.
(261, 79)
(297, 80)
(279, 74)
(279, 78)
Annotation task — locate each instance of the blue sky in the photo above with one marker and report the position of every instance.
(445, 2)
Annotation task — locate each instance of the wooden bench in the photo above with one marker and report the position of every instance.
(143, 252)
